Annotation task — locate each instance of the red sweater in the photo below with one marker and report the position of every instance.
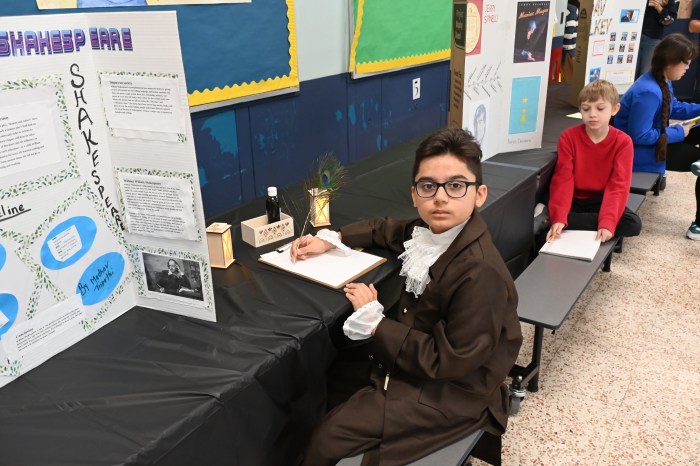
(585, 170)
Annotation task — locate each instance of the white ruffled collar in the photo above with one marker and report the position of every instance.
(421, 252)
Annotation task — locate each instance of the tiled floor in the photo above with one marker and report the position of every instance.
(620, 382)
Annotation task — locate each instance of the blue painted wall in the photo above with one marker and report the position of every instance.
(243, 149)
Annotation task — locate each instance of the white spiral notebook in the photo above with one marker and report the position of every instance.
(576, 244)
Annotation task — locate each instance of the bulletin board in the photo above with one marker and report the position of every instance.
(386, 37)
(230, 51)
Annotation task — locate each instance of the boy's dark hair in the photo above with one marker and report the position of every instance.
(673, 49)
(450, 141)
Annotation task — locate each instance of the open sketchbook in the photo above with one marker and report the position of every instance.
(331, 269)
(575, 244)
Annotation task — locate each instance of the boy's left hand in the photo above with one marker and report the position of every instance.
(360, 294)
(603, 235)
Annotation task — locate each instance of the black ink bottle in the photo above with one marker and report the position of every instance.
(272, 205)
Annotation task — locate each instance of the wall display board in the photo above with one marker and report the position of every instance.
(500, 62)
(100, 208)
(607, 43)
(387, 38)
(247, 50)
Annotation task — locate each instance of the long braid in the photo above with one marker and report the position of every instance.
(673, 49)
(662, 143)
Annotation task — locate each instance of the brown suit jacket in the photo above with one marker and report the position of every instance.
(451, 348)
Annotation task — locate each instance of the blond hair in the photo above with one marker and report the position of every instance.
(600, 89)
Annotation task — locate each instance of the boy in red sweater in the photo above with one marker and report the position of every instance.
(592, 177)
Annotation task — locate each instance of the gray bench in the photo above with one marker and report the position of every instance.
(547, 292)
(643, 182)
(455, 454)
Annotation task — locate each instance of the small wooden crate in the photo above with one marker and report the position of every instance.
(257, 232)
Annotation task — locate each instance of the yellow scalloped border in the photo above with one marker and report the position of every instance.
(356, 36)
(218, 94)
(394, 63)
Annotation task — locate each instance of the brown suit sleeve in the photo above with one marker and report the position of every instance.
(384, 233)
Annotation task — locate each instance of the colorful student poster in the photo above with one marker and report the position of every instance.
(498, 71)
(609, 51)
(55, 4)
(88, 179)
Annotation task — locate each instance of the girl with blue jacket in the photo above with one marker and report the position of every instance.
(647, 107)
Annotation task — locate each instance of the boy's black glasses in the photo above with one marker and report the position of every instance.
(453, 188)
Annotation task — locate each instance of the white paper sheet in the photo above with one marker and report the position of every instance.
(331, 269)
(27, 132)
(158, 206)
(143, 103)
(65, 244)
(620, 77)
(34, 341)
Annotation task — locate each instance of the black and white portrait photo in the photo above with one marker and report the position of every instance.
(172, 276)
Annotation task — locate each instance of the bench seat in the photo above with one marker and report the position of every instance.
(643, 182)
(547, 292)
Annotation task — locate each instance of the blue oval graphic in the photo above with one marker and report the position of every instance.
(3, 256)
(86, 229)
(8, 306)
(101, 278)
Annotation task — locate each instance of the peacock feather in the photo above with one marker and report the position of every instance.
(327, 177)
(330, 174)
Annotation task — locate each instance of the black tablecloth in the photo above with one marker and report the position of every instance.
(153, 388)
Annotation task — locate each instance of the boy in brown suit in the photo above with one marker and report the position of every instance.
(440, 366)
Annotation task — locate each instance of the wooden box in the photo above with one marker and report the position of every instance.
(257, 232)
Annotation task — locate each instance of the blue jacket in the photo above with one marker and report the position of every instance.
(640, 118)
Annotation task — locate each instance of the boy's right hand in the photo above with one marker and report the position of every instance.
(555, 231)
(308, 246)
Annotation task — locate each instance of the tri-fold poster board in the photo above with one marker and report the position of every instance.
(100, 208)
(607, 43)
(499, 67)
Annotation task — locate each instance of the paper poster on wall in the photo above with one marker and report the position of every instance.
(54, 4)
(609, 51)
(77, 192)
(503, 81)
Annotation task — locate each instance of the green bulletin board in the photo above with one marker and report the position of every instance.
(389, 35)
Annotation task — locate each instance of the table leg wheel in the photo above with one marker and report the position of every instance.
(515, 405)
(517, 393)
